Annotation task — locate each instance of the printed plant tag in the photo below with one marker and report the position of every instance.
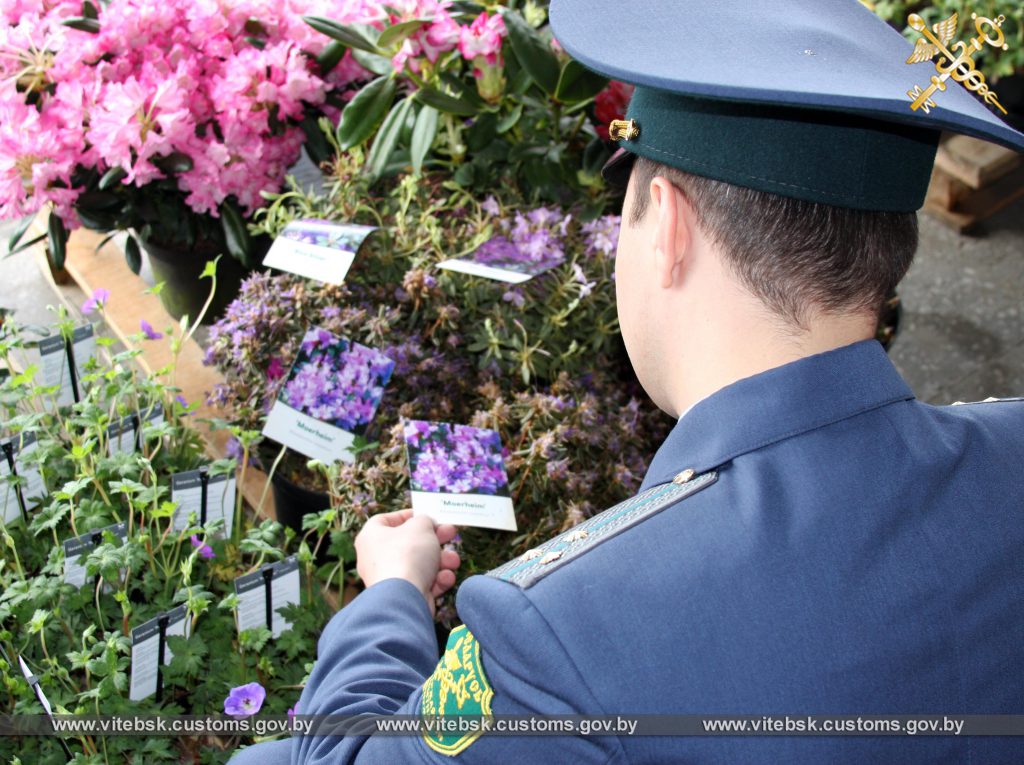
(502, 261)
(146, 649)
(273, 586)
(329, 397)
(77, 549)
(457, 475)
(317, 249)
(55, 367)
(121, 435)
(12, 462)
(187, 490)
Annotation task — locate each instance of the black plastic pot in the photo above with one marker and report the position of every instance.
(184, 292)
(293, 501)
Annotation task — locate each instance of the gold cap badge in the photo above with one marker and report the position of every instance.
(623, 130)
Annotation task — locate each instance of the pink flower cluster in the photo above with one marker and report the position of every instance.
(480, 40)
(160, 78)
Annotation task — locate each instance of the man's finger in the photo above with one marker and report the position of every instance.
(396, 518)
(446, 533)
(444, 581)
(450, 560)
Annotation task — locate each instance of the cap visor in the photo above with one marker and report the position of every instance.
(617, 169)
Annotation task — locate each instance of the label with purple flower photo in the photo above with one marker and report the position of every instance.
(317, 249)
(329, 397)
(457, 475)
(500, 259)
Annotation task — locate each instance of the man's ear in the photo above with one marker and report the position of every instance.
(672, 235)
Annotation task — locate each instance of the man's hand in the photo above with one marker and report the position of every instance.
(407, 547)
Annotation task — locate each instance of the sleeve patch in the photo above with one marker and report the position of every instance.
(458, 687)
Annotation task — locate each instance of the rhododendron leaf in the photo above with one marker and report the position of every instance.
(444, 102)
(58, 240)
(379, 65)
(387, 137)
(175, 162)
(112, 177)
(316, 143)
(254, 26)
(89, 10)
(19, 231)
(533, 54)
(395, 35)
(82, 24)
(236, 235)
(132, 254)
(365, 112)
(329, 57)
(423, 136)
(353, 35)
(577, 83)
(509, 121)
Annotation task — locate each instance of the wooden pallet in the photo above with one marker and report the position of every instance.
(91, 268)
(972, 180)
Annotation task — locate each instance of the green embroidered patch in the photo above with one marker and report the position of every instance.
(458, 687)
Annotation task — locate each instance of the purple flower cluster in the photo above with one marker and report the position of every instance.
(455, 459)
(601, 235)
(532, 242)
(337, 381)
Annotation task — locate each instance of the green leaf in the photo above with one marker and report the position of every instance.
(210, 270)
(423, 136)
(532, 52)
(387, 137)
(19, 232)
(132, 254)
(357, 36)
(329, 57)
(450, 104)
(58, 241)
(379, 65)
(396, 34)
(236, 235)
(89, 10)
(577, 83)
(509, 121)
(175, 162)
(317, 148)
(83, 24)
(365, 111)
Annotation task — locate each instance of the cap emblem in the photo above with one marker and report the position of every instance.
(623, 130)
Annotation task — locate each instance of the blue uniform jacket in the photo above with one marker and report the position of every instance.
(842, 548)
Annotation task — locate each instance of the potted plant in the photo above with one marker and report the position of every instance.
(166, 120)
(79, 636)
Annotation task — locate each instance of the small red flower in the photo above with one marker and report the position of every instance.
(610, 104)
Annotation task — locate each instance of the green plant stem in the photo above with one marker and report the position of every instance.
(270, 476)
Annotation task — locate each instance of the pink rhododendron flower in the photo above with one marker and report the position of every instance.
(483, 38)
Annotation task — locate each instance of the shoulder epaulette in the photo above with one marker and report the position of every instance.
(537, 563)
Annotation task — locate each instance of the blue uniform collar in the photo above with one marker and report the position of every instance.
(778, 404)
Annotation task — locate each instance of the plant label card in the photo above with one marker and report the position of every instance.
(502, 261)
(329, 397)
(121, 435)
(457, 474)
(208, 496)
(56, 369)
(150, 651)
(317, 249)
(77, 549)
(12, 463)
(263, 592)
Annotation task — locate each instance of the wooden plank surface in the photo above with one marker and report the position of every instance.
(974, 162)
(128, 305)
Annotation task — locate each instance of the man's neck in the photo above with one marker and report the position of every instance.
(734, 350)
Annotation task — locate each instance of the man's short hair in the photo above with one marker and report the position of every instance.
(797, 257)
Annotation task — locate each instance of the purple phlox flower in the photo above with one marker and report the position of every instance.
(245, 700)
(585, 287)
(149, 332)
(490, 205)
(275, 371)
(515, 297)
(99, 299)
(182, 403)
(292, 711)
(205, 551)
(457, 459)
